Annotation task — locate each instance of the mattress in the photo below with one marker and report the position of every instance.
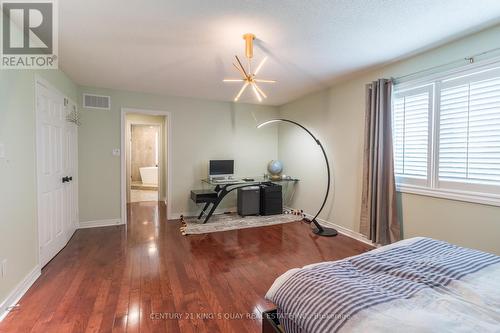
(415, 285)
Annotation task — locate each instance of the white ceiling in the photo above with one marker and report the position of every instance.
(185, 48)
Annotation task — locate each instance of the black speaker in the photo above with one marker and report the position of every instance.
(271, 199)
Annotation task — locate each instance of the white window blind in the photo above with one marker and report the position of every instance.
(450, 146)
(469, 143)
(411, 133)
(453, 132)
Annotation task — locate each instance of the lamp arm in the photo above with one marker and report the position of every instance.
(327, 186)
(327, 168)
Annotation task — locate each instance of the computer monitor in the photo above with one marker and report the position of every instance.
(220, 168)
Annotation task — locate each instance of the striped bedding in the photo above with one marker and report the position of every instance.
(421, 285)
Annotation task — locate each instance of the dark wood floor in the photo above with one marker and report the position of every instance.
(149, 278)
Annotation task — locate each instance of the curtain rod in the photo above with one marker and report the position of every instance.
(468, 60)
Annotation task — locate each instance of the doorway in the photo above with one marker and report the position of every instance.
(145, 167)
(145, 157)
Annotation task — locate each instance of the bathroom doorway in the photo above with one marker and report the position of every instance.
(144, 162)
(145, 157)
(163, 197)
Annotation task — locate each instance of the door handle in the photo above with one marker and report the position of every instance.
(65, 179)
(70, 179)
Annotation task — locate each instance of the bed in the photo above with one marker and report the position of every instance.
(415, 285)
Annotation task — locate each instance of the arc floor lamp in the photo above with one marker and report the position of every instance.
(318, 230)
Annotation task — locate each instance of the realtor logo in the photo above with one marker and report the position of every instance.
(29, 34)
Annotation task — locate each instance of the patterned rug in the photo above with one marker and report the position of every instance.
(225, 222)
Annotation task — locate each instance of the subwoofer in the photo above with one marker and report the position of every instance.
(271, 199)
(249, 200)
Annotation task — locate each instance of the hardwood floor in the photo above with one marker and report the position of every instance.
(150, 278)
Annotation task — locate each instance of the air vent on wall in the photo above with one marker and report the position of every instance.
(96, 102)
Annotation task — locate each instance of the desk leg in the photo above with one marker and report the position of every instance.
(203, 210)
(212, 210)
(222, 192)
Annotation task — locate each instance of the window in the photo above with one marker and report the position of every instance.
(446, 134)
(411, 115)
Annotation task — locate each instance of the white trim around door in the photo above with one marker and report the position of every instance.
(169, 155)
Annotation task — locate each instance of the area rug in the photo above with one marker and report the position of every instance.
(225, 222)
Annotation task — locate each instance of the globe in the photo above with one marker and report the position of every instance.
(275, 167)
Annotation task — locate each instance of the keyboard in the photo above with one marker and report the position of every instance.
(224, 181)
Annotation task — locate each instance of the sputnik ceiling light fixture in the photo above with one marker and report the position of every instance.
(249, 77)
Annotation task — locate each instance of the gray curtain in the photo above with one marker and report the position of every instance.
(379, 217)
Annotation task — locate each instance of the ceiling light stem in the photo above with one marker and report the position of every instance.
(249, 45)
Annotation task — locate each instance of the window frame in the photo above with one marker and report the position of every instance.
(427, 88)
(433, 187)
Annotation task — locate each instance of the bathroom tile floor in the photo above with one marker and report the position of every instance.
(137, 185)
(143, 195)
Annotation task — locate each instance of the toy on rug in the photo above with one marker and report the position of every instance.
(183, 226)
(297, 212)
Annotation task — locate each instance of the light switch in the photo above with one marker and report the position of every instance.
(2, 150)
(116, 152)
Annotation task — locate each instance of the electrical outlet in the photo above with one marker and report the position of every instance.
(3, 267)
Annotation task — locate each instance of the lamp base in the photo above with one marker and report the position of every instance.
(325, 232)
(320, 230)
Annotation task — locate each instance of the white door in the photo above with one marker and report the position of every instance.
(56, 148)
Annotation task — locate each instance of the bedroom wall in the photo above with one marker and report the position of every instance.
(201, 130)
(18, 228)
(337, 116)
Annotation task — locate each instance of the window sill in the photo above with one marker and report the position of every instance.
(480, 198)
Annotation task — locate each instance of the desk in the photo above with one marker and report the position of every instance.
(223, 188)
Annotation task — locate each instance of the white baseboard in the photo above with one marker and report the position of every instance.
(176, 216)
(99, 223)
(343, 230)
(13, 298)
